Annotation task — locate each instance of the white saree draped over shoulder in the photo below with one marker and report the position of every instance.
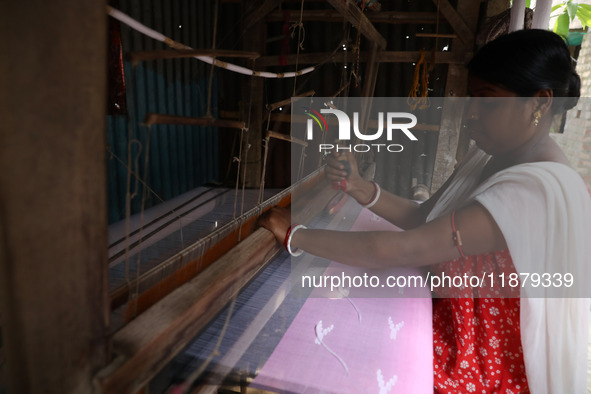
(544, 212)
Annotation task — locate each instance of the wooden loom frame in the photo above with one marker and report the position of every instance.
(149, 341)
(88, 284)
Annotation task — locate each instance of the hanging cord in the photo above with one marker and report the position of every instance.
(190, 380)
(301, 165)
(137, 177)
(244, 168)
(215, 28)
(152, 192)
(436, 48)
(239, 160)
(245, 158)
(346, 73)
(436, 33)
(417, 97)
(300, 26)
(266, 146)
(231, 159)
(363, 2)
(142, 210)
(128, 195)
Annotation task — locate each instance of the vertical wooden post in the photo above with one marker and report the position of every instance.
(53, 272)
(448, 152)
(252, 91)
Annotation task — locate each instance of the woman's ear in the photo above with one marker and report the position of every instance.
(543, 101)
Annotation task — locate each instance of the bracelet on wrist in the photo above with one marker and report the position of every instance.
(376, 196)
(287, 242)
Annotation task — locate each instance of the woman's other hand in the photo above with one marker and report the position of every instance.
(341, 170)
(277, 220)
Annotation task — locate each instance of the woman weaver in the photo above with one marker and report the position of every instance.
(513, 207)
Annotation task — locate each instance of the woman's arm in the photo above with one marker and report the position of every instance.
(402, 212)
(427, 244)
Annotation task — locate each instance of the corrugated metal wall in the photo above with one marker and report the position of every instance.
(180, 158)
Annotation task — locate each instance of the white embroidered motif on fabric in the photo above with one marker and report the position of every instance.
(320, 334)
(386, 387)
(394, 328)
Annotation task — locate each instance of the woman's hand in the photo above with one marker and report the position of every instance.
(342, 170)
(277, 220)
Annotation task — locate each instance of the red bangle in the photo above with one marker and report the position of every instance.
(287, 242)
(456, 234)
(287, 236)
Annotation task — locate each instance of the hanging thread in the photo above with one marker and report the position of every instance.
(418, 95)
(300, 26)
(209, 90)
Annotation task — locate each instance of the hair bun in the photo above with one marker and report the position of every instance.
(573, 92)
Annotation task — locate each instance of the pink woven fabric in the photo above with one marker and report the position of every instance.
(377, 345)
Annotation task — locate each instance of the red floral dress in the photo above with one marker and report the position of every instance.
(477, 340)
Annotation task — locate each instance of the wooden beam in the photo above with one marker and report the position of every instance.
(330, 16)
(284, 137)
(436, 35)
(460, 58)
(229, 114)
(357, 18)
(287, 118)
(184, 53)
(53, 207)
(152, 118)
(455, 20)
(282, 103)
(151, 340)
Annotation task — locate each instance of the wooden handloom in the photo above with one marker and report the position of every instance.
(164, 318)
(148, 342)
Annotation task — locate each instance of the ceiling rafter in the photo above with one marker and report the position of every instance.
(465, 34)
(330, 15)
(357, 18)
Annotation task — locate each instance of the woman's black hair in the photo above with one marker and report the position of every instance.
(526, 61)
